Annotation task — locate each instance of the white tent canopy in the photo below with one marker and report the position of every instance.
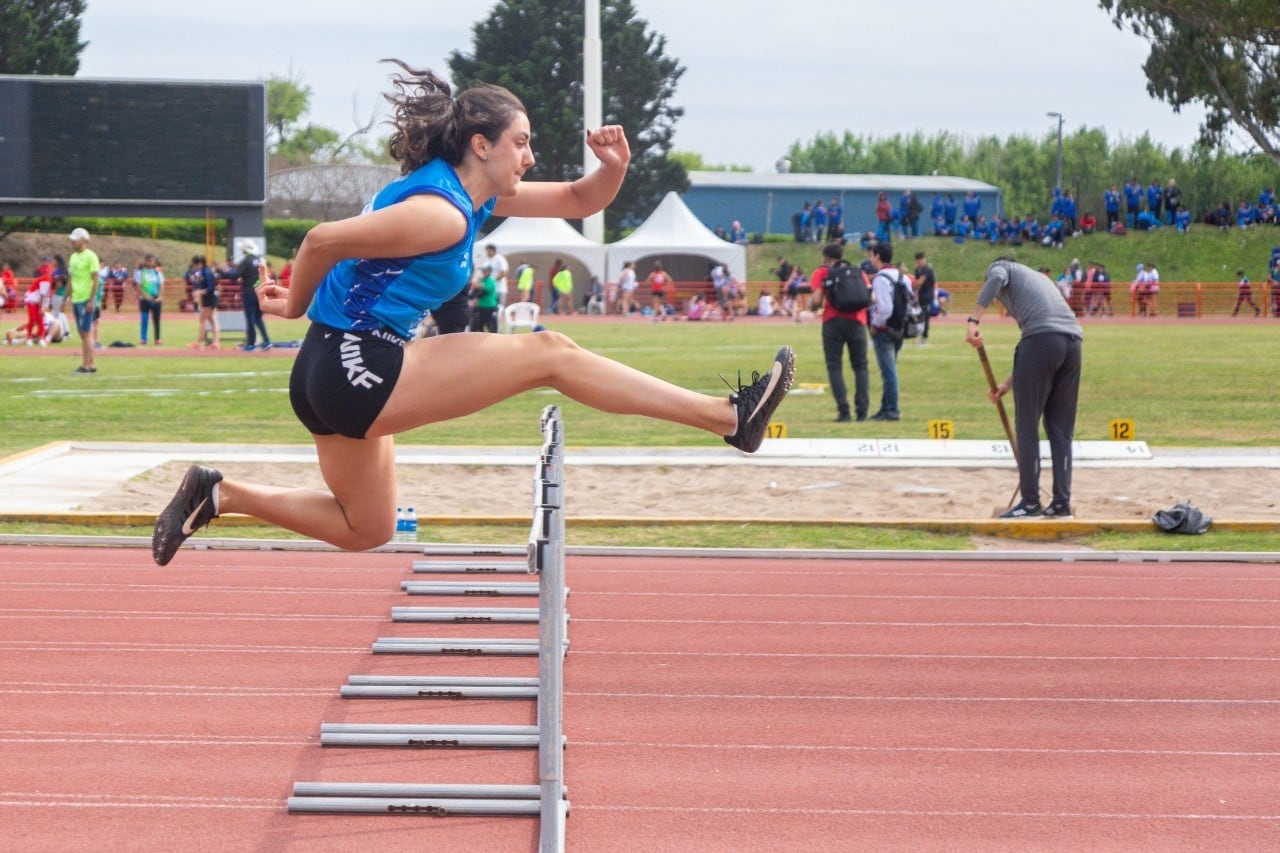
(686, 247)
(541, 242)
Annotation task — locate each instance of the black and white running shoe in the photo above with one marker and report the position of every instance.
(191, 508)
(1058, 510)
(757, 402)
(1024, 510)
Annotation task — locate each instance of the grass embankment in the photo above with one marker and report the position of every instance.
(1203, 254)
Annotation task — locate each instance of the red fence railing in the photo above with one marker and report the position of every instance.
(1174, 299)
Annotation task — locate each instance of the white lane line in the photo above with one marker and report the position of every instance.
(794, 697)
(918, 813)
(182, 648)
(944, 657)
(66, 614)
(819, 747)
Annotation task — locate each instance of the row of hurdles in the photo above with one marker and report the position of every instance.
(544, 557)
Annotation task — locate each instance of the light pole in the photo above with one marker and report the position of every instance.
(1058, 116)
(592, 105)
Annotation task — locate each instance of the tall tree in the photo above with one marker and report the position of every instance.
(292, 144)
(1224, 54)
(40, 36)
(288, 100)
(534, 48)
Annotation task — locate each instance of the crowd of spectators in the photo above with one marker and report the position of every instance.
(142, 285)
(1128, 207)
(819, 221)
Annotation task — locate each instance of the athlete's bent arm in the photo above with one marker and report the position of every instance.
(418, 225)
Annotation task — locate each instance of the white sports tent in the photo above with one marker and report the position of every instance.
(686, 247)
(541, 242)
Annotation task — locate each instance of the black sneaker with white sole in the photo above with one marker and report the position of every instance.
(757, 402)
(1058, 510)
(1024, 510)
(191, 508)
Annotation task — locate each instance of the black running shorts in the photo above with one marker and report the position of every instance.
(341, 380)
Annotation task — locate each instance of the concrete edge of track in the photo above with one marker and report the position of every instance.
(1080, 555)
(1037, 529)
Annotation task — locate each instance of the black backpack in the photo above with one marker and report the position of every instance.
(907, 319)
(845, 288)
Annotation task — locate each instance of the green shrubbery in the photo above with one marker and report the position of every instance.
(283, 235)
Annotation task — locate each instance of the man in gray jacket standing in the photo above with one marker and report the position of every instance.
(886, 329)
(1045, 380)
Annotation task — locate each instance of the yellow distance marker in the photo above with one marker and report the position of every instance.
(942, 430)
(775, 429)
(1121, 429)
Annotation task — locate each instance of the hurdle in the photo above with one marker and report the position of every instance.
(511, 588)
(470, 614)
(548, 799)
(496, 567)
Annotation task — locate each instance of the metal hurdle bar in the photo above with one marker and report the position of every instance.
(549, 798)
(546, 555)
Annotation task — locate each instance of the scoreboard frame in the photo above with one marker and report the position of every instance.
(141, 147)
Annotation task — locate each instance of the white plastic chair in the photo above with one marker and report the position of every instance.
(521, 315)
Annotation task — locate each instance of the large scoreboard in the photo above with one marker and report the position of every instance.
(111, 142)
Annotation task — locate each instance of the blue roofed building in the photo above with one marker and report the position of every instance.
(766, 202)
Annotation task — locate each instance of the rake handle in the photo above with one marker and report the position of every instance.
(991, 383)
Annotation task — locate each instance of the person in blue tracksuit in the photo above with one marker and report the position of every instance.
(949, 209)
(1155, 200)
(1132, 202)
(1111, 201)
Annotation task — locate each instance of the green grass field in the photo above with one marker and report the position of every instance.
(1193, 384)
(1184, 383)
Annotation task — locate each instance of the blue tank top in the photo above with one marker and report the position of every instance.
(396, 293)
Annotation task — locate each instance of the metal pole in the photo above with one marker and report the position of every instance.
(551, 635)
(592, 105)
(1059, 117)
(1059, 149)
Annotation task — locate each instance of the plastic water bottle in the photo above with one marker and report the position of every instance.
(402, 524)
(411, 526)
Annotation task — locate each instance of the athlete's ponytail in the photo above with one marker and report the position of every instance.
(430, 123)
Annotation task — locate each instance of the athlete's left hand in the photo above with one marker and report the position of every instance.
(609, 144)
(272, 298)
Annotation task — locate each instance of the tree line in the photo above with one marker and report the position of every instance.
(1224, 54)
(1025, 167)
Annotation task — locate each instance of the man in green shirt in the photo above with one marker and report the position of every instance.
(484, 317)
(561, 289)
(82, 269)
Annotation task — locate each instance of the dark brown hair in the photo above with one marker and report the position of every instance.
(429, 122)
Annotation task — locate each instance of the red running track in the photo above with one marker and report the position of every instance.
(711, 705)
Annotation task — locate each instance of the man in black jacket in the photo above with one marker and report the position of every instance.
(926, 291)
(247, 275)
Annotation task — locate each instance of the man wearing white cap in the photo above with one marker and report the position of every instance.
(248, 273)
(82, 269)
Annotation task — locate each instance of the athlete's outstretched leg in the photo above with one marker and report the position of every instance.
(450, 376)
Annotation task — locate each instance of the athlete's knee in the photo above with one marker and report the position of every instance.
(366, 532)
(370, 535)
(550, 351)
(553, 342)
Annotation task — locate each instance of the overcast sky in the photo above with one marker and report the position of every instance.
(756, 79)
